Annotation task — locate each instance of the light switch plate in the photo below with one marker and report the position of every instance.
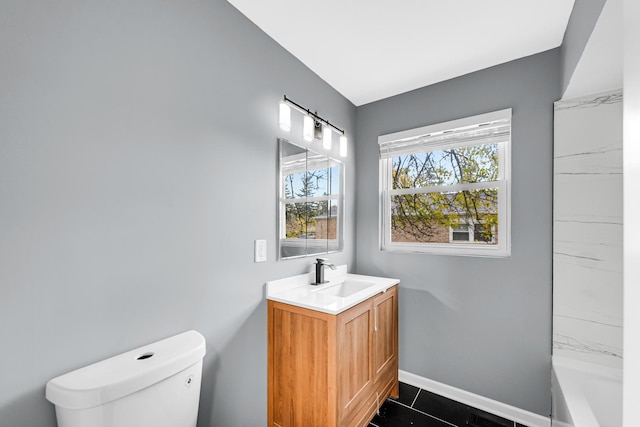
(260, 251)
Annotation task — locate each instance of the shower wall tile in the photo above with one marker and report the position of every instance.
(587, 236)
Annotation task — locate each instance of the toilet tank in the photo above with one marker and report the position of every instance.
(157, 385)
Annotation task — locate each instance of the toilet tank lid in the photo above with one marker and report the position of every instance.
(126, 373)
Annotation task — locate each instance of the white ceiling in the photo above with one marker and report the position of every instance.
(372, 49)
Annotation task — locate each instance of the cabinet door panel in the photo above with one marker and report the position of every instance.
(355, 374)
(364, 415)
(385, 342)
(300, 370)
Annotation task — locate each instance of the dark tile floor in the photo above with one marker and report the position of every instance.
(419, 408)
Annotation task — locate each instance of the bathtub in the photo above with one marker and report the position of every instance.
(585, 394)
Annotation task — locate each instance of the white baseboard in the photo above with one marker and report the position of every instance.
(500, 409)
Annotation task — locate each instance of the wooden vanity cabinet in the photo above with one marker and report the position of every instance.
(329, 370)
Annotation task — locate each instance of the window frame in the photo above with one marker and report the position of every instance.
(500, 250)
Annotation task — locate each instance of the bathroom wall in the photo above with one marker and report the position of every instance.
(479, 324)
(137, 165)
(587, 229)
(582, 21)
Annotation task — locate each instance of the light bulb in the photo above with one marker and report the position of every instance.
(326, 138)
(307, 129)
(343, 146)
(285, 116)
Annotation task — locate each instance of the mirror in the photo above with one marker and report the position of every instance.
(311, 202)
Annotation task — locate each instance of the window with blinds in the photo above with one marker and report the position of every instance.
(445, 187)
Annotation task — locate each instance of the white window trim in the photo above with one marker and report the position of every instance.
(503, 248)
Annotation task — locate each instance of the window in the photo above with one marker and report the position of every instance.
(460, 233)
(445, 188)
(471, 233)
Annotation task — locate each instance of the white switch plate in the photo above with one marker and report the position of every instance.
(260, 251)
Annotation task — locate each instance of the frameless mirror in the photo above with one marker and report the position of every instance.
(311, 202)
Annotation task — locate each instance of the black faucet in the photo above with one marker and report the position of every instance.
(320, 263)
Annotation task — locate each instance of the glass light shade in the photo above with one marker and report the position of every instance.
(326, 138)
(307, 129)
(343, 146)
(285, 116)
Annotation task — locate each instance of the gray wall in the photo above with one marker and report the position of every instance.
(582, 21)
(132, 135)
(481, 325)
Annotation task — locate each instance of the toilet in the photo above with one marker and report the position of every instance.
(157, 385)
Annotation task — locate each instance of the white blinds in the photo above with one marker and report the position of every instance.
(487, 128)
(302, 162)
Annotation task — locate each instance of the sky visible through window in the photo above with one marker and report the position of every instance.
(313, 183)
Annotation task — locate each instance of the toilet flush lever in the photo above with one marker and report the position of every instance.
(188, 381)
(145, 356)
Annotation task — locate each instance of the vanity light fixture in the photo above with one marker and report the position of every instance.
(308, 128)
(313, 125)
(343, 146)
(285, 116)
(326, 138)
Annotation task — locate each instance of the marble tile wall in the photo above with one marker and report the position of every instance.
(587, 229)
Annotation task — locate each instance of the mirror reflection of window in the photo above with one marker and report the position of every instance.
(311, 202)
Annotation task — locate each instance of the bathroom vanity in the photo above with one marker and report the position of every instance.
(332, 349)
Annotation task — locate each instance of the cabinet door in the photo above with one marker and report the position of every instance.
(355, 371)
(300, 342)
(385, 336)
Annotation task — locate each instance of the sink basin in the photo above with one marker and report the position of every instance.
(345, 289)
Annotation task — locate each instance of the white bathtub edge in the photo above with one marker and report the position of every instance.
(570, 375)
(594, 368)
(484, 403)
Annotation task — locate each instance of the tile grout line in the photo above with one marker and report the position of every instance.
(423, 413)
(514, 423)
(415, 398)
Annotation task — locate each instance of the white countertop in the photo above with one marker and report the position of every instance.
(297, 290)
